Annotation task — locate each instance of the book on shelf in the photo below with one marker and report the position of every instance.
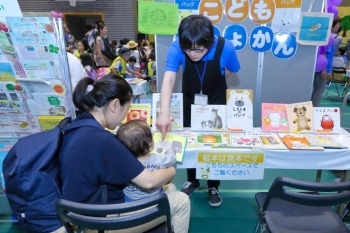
(176, 110)
(327, 120)
(300, 117)
(297, 142)
(239, 112)
(274, 118)
(49, 122)
(325, 141)
(170, 142)
(208, 118)
(139, 112)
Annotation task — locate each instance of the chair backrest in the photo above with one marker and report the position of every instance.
(146, 215)
(338, 74)
(307, 193)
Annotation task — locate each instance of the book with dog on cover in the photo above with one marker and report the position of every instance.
(300, 117)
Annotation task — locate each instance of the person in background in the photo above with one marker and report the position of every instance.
(88, 64)
(338, 39)
(80, 49)
(90, 34)
(102, 60)
(119, 65)
(131, 66)
(321, 78)
(339, 61)
(152, 69)
(139, 131)
(133, 46)
(152, 47)
(206, 61)
(76, 70)
(91, 156)
(122, 43)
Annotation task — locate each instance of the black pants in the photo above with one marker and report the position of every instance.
(191, 177)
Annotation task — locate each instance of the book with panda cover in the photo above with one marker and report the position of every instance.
(327, 120)
(239, 111)
(300, 117)
(208, 117)
(176, 110)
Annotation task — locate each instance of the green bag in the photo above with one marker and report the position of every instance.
(157, 17)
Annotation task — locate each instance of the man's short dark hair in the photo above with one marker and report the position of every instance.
(196, 30)
(132, 59)
(124, 41)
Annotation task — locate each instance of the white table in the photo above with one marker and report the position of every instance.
(329, 159)
(138, 89)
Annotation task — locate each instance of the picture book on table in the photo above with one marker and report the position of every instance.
(326, 141)
(343, 139)
(208, 117)
(252, 141)
(171, 142)
(297, 142)
(269, 141)
(176, 110)
(300, 117)
(274, 117)
(215, 139)
(139, 111)
(239, 112)
(191, 138)
(327, 120)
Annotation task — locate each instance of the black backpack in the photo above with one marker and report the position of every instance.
(31, 171)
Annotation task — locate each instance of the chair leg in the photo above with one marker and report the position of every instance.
(336, 87)
(257, 227)
(329, 85)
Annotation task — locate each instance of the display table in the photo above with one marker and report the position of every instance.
(138, 89)
(329, 159)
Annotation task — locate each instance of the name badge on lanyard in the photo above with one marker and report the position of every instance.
(201, 99)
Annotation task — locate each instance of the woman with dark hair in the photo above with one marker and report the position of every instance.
(206, 62)
(91, 156)
(101, 34)
(88, 64)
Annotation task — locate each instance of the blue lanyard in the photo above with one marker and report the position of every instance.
(201, 77)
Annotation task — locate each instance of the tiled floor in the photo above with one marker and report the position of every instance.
(238, 213)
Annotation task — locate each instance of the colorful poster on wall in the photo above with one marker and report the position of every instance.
(39, 69)
(33, 24)
(287, 16)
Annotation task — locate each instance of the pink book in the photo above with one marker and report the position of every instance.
(274, 117)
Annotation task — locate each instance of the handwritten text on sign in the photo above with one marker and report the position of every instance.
(230, 165)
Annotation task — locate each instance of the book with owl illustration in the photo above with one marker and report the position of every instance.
(139, 111)
(171, 142)
(239, 112)
(300, 117)
(274, 118)
(327, 120)
(326, 141)
(297, 142)
(208, 118)
(176, 110)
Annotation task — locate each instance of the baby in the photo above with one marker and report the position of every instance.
(136, 135)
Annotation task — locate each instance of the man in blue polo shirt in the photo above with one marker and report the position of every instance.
(206, 62)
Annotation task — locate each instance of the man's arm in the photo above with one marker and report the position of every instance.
(163, 123)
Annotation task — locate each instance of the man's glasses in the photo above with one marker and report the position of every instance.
(196, 50)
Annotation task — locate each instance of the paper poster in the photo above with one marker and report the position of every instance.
(50, 104)
(40, 69)
(30, 45)
(7, 72)
(33, 24)
(31, 86)
(10, 91)
(287, 16)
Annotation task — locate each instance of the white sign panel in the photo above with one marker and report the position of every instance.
(230, 165)
(10, 8)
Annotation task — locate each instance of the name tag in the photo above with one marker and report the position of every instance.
(200, 99)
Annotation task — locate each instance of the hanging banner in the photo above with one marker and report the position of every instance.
(157, 17)
(314, 28)
(230, 165)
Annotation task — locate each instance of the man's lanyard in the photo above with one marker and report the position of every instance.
(201, 77)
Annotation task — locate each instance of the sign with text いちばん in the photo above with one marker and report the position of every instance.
(10, 8)
(230, 165)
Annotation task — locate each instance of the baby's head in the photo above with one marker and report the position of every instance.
(136, 135)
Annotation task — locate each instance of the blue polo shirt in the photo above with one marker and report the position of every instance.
(91, 157)
(176, 57)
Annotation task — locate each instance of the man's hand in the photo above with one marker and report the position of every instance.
(324, 74)
(163, 124)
